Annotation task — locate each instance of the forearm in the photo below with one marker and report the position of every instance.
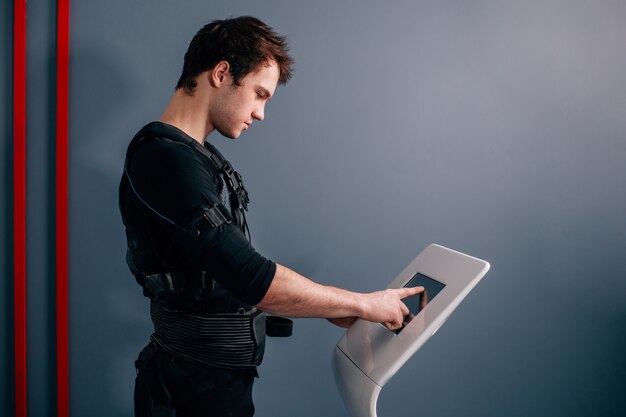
(293, 295)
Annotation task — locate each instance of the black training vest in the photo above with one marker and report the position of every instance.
(152, 259)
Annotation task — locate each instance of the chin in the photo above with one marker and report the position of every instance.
(229, 135)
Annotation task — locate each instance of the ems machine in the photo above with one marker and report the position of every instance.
(369, 354)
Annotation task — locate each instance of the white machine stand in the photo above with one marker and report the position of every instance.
(369, 354)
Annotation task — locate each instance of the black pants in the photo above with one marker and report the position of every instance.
(168, 386)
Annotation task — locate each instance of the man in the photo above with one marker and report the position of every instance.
(184, 210)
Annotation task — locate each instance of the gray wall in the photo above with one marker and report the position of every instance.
(494, 128)
(40, 76)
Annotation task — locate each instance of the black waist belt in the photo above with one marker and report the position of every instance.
(227, 340)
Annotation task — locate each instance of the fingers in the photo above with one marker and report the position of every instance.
(403, 293)
(397, 323)
(386, 306)
(392, 325)
(404, 309)
(407, 292)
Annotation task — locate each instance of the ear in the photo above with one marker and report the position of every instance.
(219, 73)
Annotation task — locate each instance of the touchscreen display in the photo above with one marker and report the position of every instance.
(417, 302)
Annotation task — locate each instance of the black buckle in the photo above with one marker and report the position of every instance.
(239, 179)
(215, 216)
(209, 217)
(217, 161)
(165, 282)
(228, 168)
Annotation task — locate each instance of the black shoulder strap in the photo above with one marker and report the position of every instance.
(234, 182)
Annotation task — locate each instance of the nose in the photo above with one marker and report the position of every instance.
(259, 112)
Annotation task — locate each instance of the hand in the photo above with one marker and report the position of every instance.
(387, 307)
(344, 322)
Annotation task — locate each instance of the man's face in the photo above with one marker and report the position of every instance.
(237, 107)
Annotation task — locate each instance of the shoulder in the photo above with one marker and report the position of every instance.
(168, 157)
(164, 142)
(163, 147)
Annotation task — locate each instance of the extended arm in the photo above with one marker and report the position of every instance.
(175, 182)
(291, 294)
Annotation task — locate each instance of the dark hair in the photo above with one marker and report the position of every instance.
(244, 42)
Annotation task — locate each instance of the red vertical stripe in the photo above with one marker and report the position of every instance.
(19, 202)
(63, 13)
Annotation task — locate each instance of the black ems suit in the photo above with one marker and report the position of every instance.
(183, 207)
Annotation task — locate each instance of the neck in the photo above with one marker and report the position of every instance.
(188, 113)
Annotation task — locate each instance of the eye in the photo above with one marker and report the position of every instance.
(263, 95)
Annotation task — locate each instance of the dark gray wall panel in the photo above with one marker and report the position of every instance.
(495, 129)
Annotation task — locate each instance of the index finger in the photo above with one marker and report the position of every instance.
(407, 292)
